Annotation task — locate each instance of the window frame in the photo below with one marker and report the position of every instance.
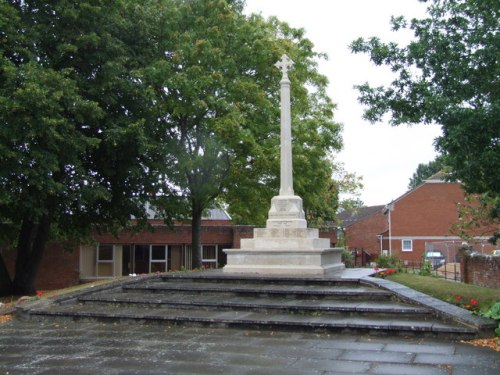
(406, 249)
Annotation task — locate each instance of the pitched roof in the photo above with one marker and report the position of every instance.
(216, 214)
(209, 214)
(348, 218)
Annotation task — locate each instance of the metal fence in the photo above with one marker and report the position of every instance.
(448, 271)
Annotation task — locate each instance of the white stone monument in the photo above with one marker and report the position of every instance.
(286, 246)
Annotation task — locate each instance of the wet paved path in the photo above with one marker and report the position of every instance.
(106, 348)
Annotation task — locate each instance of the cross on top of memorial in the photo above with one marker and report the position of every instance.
(284, 65)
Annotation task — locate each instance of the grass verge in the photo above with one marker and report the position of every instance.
(449, 291)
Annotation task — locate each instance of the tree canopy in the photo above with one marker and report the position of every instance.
(217, 95)
(449, 75)
(109, 104)
(77, 146)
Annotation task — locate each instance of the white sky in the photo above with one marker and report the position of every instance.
(386, 157)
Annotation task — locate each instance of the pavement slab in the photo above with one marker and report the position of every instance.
(30, 347)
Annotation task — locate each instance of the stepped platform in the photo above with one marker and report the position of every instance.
(347, 304)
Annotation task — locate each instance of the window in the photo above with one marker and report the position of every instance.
(209, 256)
(407, 245)
(105, 260)
(158, 258)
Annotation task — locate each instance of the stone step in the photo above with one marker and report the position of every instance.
(312, 322)
(270, 290)
(227, 278)
(363, 305)
(227, 301)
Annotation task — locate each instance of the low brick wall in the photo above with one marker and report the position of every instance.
(482, 270)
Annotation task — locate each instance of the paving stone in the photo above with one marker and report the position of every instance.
(377, 356)
(350, 345)
(420, 348)
(399, 369)
(333, 366)
(476, 370)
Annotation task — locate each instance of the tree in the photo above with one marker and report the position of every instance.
(76, 147)
(217, 95)
(109, 104)
(424, 171)
(448, 75)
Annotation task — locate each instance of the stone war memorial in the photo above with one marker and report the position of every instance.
(286, 246)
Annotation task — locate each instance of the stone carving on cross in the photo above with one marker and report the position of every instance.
(284, 65)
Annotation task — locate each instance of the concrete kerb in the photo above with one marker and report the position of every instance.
(443, 309)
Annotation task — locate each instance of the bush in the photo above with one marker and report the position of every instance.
(426, 268)
(347, 258)
(388, 261)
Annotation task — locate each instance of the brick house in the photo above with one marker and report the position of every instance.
(161, 249)
(417, 221)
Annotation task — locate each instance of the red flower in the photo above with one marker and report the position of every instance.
(458, 298)
(39, 294)
(474, 302)
(375, 269)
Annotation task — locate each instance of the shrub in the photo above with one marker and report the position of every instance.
(388, 261)
(426, 268)
(347, 258)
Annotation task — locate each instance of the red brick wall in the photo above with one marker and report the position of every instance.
(239, 232)
(429, 210)
(162, 234)
(363, 234)
(481, 270)
(426, 212)
(59, 268)
(331, 234)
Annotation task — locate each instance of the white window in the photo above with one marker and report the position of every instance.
(407, 245)
(209, 255)
(158, 258)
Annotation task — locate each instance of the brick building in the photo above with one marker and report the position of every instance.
(417, 221)
(161, 249)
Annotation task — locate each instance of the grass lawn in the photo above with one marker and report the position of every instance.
(448, 291)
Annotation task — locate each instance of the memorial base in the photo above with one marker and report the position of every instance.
(285, 251)
(284, 262)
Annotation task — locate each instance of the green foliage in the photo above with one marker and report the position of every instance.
(387, 261)
(447, 75)
(493, 312)
(347, 258)
(425, 268)
(479, 215)
(109, 104)
(77, 144)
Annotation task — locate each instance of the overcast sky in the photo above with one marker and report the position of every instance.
(386, 157)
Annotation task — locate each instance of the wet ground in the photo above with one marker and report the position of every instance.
(28, 347)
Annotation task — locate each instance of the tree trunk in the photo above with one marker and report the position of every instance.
(196, 214)
(5, 282)
(32, 240)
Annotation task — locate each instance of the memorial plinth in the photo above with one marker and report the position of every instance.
(286, 246)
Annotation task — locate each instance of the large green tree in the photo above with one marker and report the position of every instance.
(109, 104)
(76, 145)
(449, 75)
(218, 99)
